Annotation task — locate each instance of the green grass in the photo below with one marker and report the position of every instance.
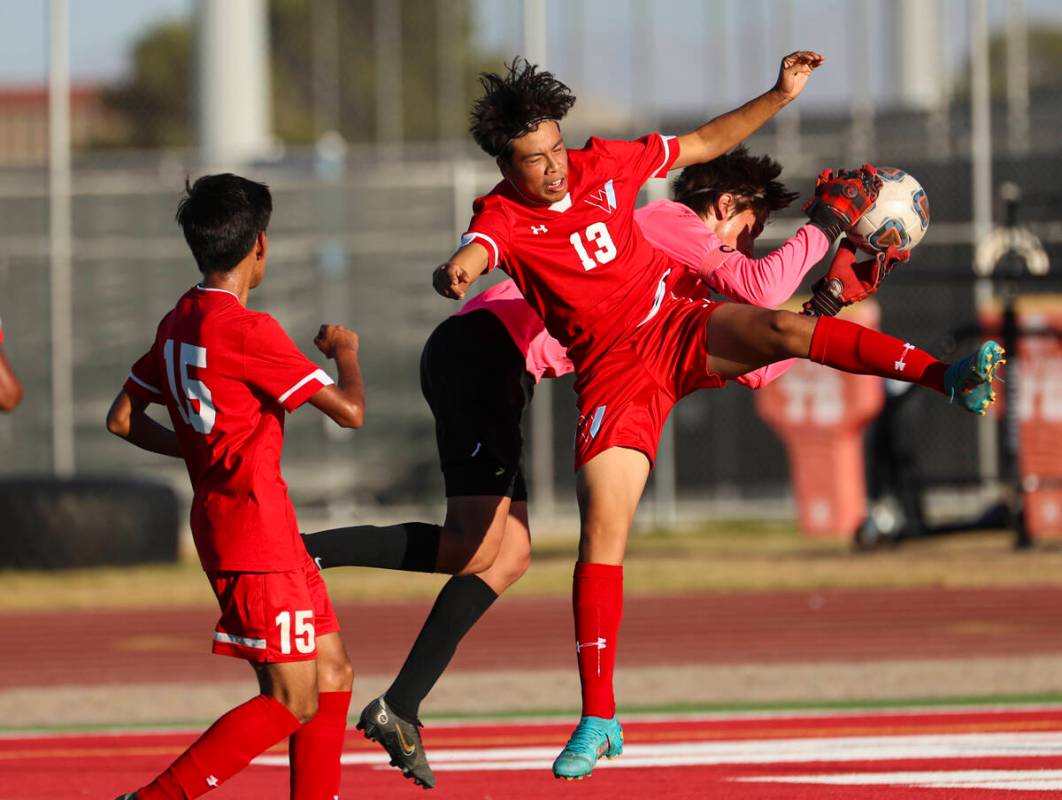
(627, 712)
(715, 557)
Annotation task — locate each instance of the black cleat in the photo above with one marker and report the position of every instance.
(399, 738)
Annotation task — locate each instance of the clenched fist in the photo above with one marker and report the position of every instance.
(331, 338)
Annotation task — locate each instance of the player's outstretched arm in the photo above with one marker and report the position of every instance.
(453, 278)
(128, 419)
(343, 403)
(724, 132)
(10, 387)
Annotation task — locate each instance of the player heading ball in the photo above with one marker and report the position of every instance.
(561, 224)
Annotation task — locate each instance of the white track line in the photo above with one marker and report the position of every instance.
(753, 751)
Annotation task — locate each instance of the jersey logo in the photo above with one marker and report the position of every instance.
(604, 198)
(537, 229)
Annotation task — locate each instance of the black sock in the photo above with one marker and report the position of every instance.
(410, 546)
(462, 601)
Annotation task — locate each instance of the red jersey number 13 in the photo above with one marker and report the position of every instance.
(191, 389)
(596, 234)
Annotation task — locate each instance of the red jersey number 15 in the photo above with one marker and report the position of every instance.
(596, 234)
(191, 388)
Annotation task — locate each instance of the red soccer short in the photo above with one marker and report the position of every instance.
(626, 395)
(272, 616)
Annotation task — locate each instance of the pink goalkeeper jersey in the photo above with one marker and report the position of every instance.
(768, 281)
(677, 231)
(545, 356)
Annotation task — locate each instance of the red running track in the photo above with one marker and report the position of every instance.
(936, 755)
(714, 628)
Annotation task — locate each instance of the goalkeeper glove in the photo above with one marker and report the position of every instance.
(848, 281)
(841, 198)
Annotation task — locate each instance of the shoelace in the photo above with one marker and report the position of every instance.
(586, 738)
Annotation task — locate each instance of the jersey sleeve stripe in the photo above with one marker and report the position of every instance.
(666, 141)
(470, 237)
(318, 375)
(139, 382)
(662, 170)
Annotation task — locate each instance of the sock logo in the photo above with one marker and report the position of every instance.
(212, 782)
(899, 365)
(599, 644)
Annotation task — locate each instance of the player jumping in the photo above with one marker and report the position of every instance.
(561, 224)
(227, 375)
(489, 356)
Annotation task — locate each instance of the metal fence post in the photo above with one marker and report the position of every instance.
(981, 169)
(59, 277)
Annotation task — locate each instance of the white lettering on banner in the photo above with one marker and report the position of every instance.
(813, 394)
(1039, 387)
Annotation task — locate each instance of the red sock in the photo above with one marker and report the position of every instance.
(597, 597)
(227, 747)
(315, 749)
(849, 347)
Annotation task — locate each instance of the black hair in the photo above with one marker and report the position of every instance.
(751, 179)
(221, 216)
(514, 104)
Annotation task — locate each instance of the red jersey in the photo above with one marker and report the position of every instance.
(581, 262)
(227, 375)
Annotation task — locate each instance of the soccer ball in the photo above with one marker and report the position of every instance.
(900, 215)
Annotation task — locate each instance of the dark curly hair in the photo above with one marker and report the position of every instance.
(514, 104)
(751, 179)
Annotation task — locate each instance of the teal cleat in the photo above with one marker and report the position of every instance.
(969, 381)
(592, 738)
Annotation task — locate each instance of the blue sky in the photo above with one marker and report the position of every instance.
(690, 66)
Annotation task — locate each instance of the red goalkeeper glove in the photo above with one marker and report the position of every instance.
(848, 281)
(842, 197)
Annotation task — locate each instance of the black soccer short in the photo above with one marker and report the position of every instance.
(476, 381)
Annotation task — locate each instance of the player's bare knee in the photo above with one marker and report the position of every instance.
(516, 566)
(302, 703)
(335, 677)
(304, 707)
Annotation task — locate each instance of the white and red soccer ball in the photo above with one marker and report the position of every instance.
(899, 217)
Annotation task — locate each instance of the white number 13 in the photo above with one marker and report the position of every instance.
(598, 234)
